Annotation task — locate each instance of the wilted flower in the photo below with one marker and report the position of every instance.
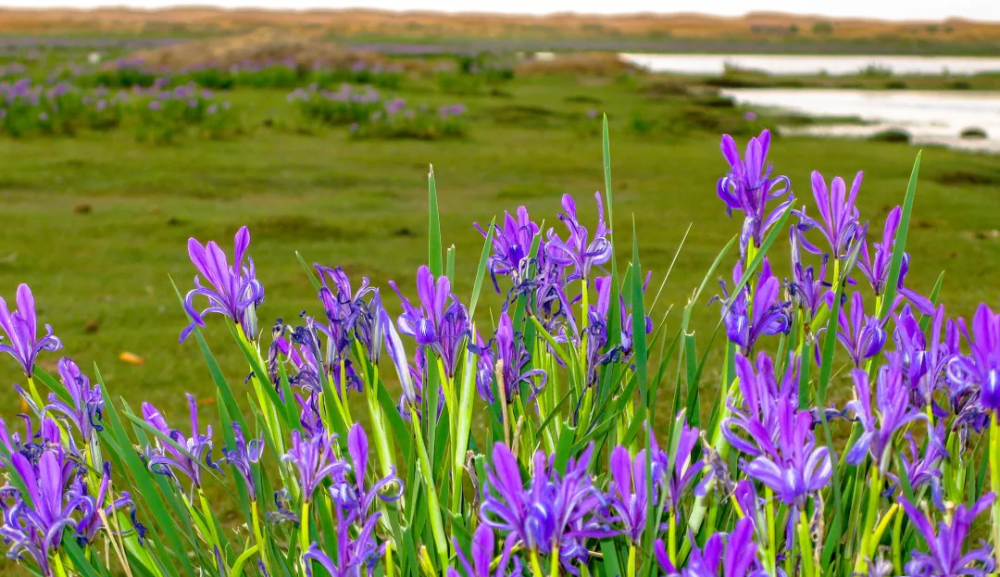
(235, 293)
(21, 328)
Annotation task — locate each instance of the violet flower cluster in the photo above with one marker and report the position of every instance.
(840, 427)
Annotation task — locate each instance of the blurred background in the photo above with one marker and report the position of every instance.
(125, 131)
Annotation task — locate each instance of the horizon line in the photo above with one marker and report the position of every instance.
(484, 13)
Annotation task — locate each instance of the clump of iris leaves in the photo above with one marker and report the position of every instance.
(569, 469)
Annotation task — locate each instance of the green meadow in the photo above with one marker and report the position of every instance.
(97, 223)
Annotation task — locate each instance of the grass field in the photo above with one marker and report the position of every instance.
(97, 223)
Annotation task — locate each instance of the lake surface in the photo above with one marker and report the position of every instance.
(787, 64)
(935, 117)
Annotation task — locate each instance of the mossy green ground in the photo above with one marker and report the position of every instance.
(97, 223)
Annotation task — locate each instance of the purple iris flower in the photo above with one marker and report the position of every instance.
(90, 523)
(555, 511)
(911, 348)
(768, 315)
(511, 246)
(483, 544)
(793, 467)
(36, 528)
(748, 186)
(598, 324)
(165, 459)
(740, 558)
(757, 415)
(511, 351)
(682, 471)
(87, 402)
(892, 403)
(579, 250)
(314, 459)
(243, 456)
(982, 367)
(550, 303)
(839, 216)
(441, 322)
(746, 497)
(877, 270)
(235, 291)
(354, 555)
(807, 287)
(922, 470)
(343, 309)
(945, 548)
(628, 492)
(356, 499)
(863, 336)
(21, 328)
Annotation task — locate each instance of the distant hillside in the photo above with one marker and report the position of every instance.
(753, 32)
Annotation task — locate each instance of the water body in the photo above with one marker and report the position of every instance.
(790, 64)
(934, 117)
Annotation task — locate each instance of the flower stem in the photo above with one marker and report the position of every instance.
(536, 566)
(897, 550)
(57, 565)
(390, 567)
(672, 538)
(995, 479)
(805, 545)
(861, 565)
(259, 536)
(434, 507)
(772, 532)
(304, 532)
(631, 560)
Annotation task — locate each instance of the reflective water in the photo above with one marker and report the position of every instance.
(786, 64)
(937, 117)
